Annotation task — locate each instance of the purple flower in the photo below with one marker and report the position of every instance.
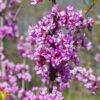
(2, 5)
(56, 51)
(34, 2)
(97, 57)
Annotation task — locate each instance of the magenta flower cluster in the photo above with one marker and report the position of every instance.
(87, 78)
(13, 74)
(54, 46)
(26, 47)
(40, 93)
(56, 40)
(8, 18)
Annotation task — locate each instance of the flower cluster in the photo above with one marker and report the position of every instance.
(87, 78)
(57, 39)
(12, 75)
(26, 48)
(40, 94)
(8, 16)
(54, 45)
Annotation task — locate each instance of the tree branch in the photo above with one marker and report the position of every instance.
(53, 2)
(90, 8)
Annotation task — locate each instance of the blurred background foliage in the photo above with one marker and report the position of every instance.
(29, 15)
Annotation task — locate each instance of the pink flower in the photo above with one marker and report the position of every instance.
(2, 32)
(34, 2)
(2, 5)
(26, 76)
(97, 57)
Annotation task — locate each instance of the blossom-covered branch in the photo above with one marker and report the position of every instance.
(53, 44)
(87, 78)
(8, 14)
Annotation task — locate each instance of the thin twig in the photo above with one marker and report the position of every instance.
(1, 45)
(90, 8)
(52, 71)
(23, 82)
(17, 12)
(53, 2)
